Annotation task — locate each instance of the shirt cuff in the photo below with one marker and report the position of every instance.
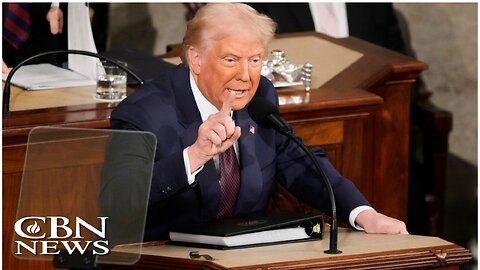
(186, 161)
(353, 215)
(55, 4)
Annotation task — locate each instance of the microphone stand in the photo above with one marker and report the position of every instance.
(6, 88)
(265, 113)
(333, 249)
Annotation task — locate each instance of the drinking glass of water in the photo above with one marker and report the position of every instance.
(111, 81)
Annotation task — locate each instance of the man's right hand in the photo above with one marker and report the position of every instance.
(215, 135)
(55, 18)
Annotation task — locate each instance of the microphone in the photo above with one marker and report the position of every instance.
(266, 114)
(6, 88)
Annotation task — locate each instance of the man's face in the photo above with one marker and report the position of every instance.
(228, 65)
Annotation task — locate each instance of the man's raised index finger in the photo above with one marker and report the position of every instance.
(228, 104)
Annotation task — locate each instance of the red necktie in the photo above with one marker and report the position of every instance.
(229, 182)
(16, 28)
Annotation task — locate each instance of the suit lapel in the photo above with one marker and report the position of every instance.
(251, 177)
(188, 114)
(187, 110)
(189, 117)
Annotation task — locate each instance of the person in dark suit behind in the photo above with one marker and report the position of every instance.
(373, 22)
(48, 31)
(198, 112)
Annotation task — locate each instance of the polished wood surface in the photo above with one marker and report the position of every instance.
(22, 100)
(359, 251)
(360, 117)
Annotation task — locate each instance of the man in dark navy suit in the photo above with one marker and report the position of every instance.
(198, 112)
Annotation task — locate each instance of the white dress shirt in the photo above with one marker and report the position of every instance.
(80, 37)
(339, 12)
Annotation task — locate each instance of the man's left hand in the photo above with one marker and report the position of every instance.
(373, 222)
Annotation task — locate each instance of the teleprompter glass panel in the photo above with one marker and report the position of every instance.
(84, 191)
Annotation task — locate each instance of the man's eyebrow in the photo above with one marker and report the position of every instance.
(237, 56)
(229, 55)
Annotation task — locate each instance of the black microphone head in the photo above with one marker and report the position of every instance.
(259, 109)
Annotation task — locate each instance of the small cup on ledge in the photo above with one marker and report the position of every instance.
(111, 81)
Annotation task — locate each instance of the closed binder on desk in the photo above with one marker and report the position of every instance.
(261, 228)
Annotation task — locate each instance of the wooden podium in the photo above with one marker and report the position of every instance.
(360, 251)
(357, 111)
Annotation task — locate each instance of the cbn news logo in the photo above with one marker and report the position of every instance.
(45, 236)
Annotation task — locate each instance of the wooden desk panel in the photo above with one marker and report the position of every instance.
(346, 133)
(367, 105)
(360, 251)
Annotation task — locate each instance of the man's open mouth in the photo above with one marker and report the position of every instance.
(237, 91)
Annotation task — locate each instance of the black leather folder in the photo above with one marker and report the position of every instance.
(261, 228)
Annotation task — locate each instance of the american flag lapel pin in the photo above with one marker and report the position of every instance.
(251, 129)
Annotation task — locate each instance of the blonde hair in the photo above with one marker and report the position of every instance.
(213, 21)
